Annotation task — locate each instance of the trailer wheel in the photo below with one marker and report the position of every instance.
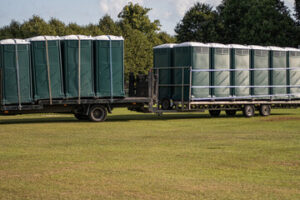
(166, 104)
(97, 113)
(230, 113)
(215, 113)
(81, 116)
(265, 110)
(249, 110)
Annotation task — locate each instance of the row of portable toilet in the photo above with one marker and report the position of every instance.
(51, 67)
(221, 71)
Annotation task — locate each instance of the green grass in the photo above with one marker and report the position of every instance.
(143, 156)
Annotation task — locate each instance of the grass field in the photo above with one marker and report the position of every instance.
(143, 156)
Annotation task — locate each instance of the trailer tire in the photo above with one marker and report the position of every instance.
(265, 110)
(249, 111)
(215, 113)
(166, 104)
(81, 116)
(230, 113)
(97, 113)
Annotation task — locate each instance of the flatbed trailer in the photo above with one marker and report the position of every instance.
(96, 109)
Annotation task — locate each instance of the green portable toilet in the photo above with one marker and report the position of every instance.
(278, 74)
(220, 75)
(259, 72)
(197, 56)
(240, 75)
(109, 66)
(77, 59)
(163, 58)
(46, 67)
(15, 72)
(293, 73)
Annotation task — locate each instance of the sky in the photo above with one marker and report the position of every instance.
(83, 12)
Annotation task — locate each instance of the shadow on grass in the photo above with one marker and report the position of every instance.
(122, 118)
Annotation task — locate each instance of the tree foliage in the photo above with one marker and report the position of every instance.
(199, 24)
(297, 11)
(137, 17)
(262, 22)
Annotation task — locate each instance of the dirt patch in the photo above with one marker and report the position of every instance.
(283, 118)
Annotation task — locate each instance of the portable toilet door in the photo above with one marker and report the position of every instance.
(278, 72)
(77, 59)
(194, 55)
(109, 66)
(15, 72)
(181, 75)
(220, 75)
(240, 75)
(260, 72)
(163, 63)
(293, 71)
(46, 67)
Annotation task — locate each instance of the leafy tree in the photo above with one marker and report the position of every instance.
(138, 51)
(57, 26)
(136, 16)
(92, 30)
(36, 26)
(297, 10)
(264, 22)
(74, 29)
(108, 26)
(165, 38)
(198, 24)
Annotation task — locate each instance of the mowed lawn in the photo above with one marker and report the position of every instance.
(144, 156)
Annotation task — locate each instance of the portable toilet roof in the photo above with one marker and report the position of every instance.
(192, 44)
(292, 49)
(219, 45)
(256, 47)
(239, 46)
(14, 41)
(43, 38)
(108, 37)
(76, 37)
(273, 48)
(163, 46)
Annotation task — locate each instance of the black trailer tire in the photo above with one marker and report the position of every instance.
(265, 110)
(215, 113)
(166, 104)
(249, 111)
(230, 113)
(97, 113)
(81, 116)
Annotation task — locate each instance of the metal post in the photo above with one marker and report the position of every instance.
(18, 75)
(79, 71)
(190, 88)
(182, 88)
(48, 70)
(157, 86)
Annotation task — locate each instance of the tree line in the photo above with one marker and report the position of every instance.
(260, 22)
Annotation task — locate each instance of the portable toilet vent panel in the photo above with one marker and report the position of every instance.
(278, 72)
(46, 67)
(294, 72)
(196, 56)
(260, 72)
(240, 75)
(163, 61)
(220, 65)
(77, 59)
(109, 56)
(15, 72)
